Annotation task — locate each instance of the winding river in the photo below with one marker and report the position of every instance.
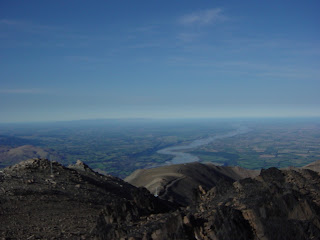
(182, 157)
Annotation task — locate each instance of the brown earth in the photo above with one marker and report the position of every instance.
(179, 183)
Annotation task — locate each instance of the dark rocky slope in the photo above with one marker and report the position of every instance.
(77, 203)
(277, 204)
(43, 200)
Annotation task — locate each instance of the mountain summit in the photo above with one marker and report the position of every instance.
(41, 199)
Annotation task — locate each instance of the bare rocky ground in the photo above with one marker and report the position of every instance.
(40, 202)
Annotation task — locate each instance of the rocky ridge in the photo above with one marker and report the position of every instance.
(43, 202)
(41, 199)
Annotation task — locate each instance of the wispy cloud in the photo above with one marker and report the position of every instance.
(148, 29)
(146, 45)
(57, 36)
(8, 22)
(203, 17)
(255, 69)
(27, 26)
(20, 91)
(85, 59)
(188, 37)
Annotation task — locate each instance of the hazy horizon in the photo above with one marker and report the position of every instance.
(150, 120)
(63, 61)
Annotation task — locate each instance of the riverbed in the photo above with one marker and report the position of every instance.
(179, 156)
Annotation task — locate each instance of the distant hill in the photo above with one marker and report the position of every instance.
(178, 182)
(16, 149)
(13, 141)
(13, 155)
(314, 166)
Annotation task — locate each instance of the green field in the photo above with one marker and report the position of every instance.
(271, 144)
(120, 147)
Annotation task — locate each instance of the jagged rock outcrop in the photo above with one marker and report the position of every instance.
(277, 204)
(45, 200)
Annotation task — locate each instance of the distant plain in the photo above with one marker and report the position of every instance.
(119, 147)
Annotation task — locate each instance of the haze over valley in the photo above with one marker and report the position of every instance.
(119, 147)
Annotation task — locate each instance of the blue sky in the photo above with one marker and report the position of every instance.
(68, 60)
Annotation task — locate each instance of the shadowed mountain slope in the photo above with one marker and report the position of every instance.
(276, 205)
(180, 183)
